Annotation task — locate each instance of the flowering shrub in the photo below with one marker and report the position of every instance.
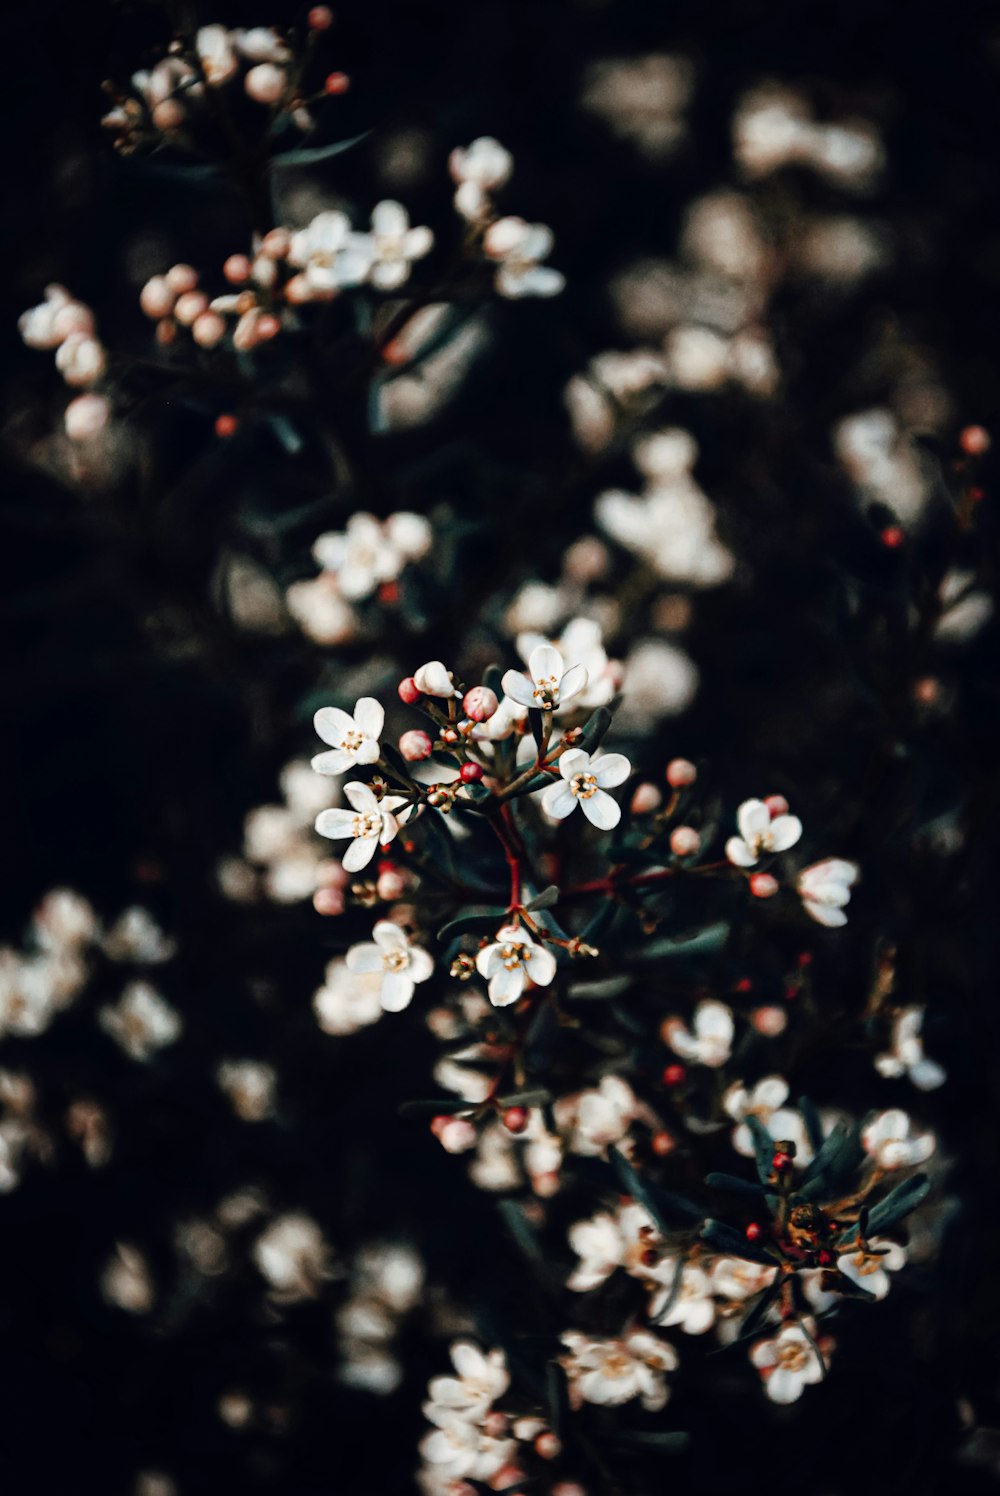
(542, 679)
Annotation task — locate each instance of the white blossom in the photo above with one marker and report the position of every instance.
(393, 245)
(434, 678)
(584, 783)
(330, 254)
(615, 1371)
(353, 739)
(369, 824)
(906, 1057)
(479, 169)
(711, 1041)
(250, 1086)
(550, 684)
(459, 1448)
(760, 833)
(788, 1363)
(512, 960)
(402, 965)
(580, 643)
(519, 249)
(736, 1280)
(481, 1378)
(605, 1242)
(825, 888)
(347, 1000)
(142, 1022)
(597, 1118)
(870, 1269)
(890, 1140)
(214, 45)
(369, 551)
(293, 1256)
(691, 1307)
(766, 1101)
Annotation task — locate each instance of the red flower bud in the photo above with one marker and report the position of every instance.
(408, 690)
(336, 83)
(515, 1118)
(470, 773)
(780, 1162)
(415, 746)
(974, 440)
(777, 805)
(754, 1231)
(226, 426)
(320, 18)
(674, 1075)
(763, 886)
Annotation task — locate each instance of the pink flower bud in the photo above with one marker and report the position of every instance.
(331, 873)
(156, 298)
(168, 114)
(769, 1021)
(320, 18)
(548, 1446)
(777, 805)
(181, 278)
(408, 690)
(455, 1134)
(495, 1424)
(237, 269)
(276, 243)
(684, 841)
(328, 901)
(298, 290)
(763, 886)
(391, 885)
(71, 318)
(415, 746)
(681, 772)
(190, 306)
(645, 798)
(480, 703)
(86, 417)
(208, 330)
(268, 326)
(586, 560)
(265, 83)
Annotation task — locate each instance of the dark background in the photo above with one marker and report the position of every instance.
(137, 729)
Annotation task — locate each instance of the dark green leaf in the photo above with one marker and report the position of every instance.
(483, 921)
(306, 155)
(659, 1202)
(814, 1126)
(441, 1107)
(711, 939)
(734, 1244)
(538, 1097)
(545, 899)
(732, 1183)
(898, 1203)
(763, 1148)
(594, 729)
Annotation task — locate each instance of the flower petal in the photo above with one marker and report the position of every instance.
(397, 991)
(388, 936)
(335, 823)
(333, 761)
(573, 682)
(369, 714)
(558, 800)
(541, 965)
(361, 796)
(360, 853)
(333, 725)
(611, 769)
(602, 811)
(518, 688)
(753, 818)
(545, 663)
(506, 986)
(739, 853)
(784, 832)
(574, 762)
(364, 958)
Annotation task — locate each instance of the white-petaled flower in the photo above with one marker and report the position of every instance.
(369, 552)
(51, 323)
(789, 1363)
(766, 1100)
(80, 360)
(402, 965)
(293, 1256)
(580, 644)
(671, 525)
(691, 1308)
(551, 684)
(825, 888)
(508, 718)
(260, 44)
(459, 1449)
(135, 936)
(889, 1139)
(482, 1378)
(735, 1280)
(606, 1242)
(512, 960)
(711, 1042)
(348, 1000)
(584, 783)
(353, 739)
(250, 1086)
(394, 245)
(870, 1269)
(331, 256)
(435, 679)
(595, 1119)
(906, 1057)
(142, 1022)
(214, 45)
(760, 834)
(369, 825)
(519, 248)
(615, 1371)
(479, 169)
(64, 919)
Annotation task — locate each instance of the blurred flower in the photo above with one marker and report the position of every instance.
(519, 248)
(766, 1101)
(890, 1140)
(250, 1086)
(293, 1257)
(711, 1041)
(348, 1000)
(479, 169)
(615, 1371)
(142, 1022)
(906, 1057)
(789, 1363)
(825, 888)
(869, 1266)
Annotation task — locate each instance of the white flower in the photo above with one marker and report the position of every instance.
(825, 888)
(369, 552)
(142, 1022)
(250, 1086)
(766, 1100)
(520, 247)
(606, 1242)
(371, 824)
(86, 417)
(214, 46)
(615, 1371)
(394, 244)
(693, 1308)
(292, 1256)
(672, 525)
(459, 1449)
(435, 679)
(135, 936)
(348, 1000)
(579, 644)
(906, 1057)
(551, 683)
(510, 961)
(596, 1118)
(320, 611)
(403, 965)
(735, 1280)
(353, 740)
(759, 833)
(64, 918)
(712, 1040)
(330, 255)
(260, 44)
(481, 1379)
(788, 1363)
(479, 169)
(889, 1140)
(80, 360)
(870, 1270)
(584, 782)
(58, 316)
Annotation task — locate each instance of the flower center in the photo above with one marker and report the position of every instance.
(546, 692)
(514, 956)
(351, 741)
(617, 1364)
(583, 786)
(793, 1357)
(367, 825)
(395, 961)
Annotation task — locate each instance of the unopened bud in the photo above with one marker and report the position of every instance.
(645, 799)
(266, 83)
(408, 690)
(86, 417)
(480, 703)
(764, 886)
(415, 746)
(156, 298)
(208, 330)
(684, 841)
(777, 805)
(681, 772)
(190, 305)
(181, 278)
(769, 1021)
(237, 269)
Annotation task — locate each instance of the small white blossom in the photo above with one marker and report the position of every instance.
(788, 1363)
(142, 1022)
(584, 783)
(402, 965)
(761, 834)
(353, 739)
(906, 1057)
(369, 551)
(394, 245)
(458, 1448)
(579, 644)
(348, 1000)
(825, 888)
(891, 1142)
(135, 936)
(551, 684)
(511, 961)
(250, 1086)
(57, 318)
(330, 254)
(482, 1378)
(615, 1371)
(870, 1269)
(519, 248)
(766, 1100)
(711, 1042)
(214, 45)
(293, 1256)
(435, 679)
(693, 1307)
(369, 825)
(479, 169)
(605, 1242)
(735, 1280)
(595, 1119)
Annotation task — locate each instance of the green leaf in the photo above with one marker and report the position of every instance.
(538, 1097)
(732, 1183)
(898, 1203)
(763, 1148)
(814, 1126)
(545, 899)
(307, 155)
(483, 921)
(706, 942)
(514, 1220)
(594, 729)
(656, 1200)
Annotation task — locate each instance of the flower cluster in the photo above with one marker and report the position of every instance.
(67, 325)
